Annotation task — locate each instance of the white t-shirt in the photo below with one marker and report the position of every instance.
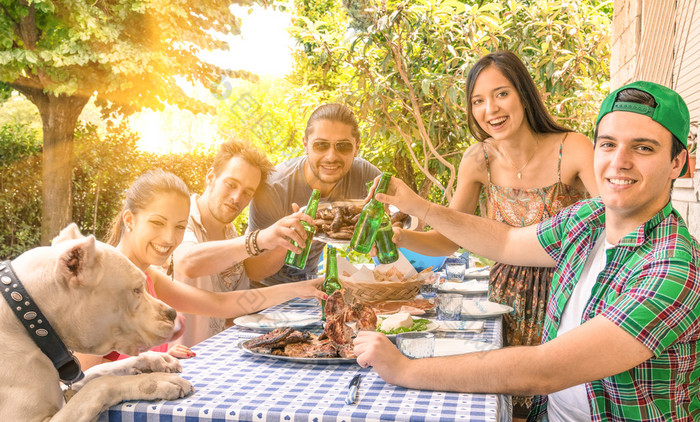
(571, 404)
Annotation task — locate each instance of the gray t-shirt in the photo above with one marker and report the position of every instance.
(287, 184)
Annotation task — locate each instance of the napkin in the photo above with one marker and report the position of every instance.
(482, 307)
(473, 326)
(400, 270)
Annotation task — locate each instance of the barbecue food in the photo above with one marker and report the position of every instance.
(314, 349)
(338, 314)
(337, 331)
(336, 340)
(364, 315)
(338, 221)
(277, 338)
(335, 304)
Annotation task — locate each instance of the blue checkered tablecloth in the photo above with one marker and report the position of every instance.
(233, 385)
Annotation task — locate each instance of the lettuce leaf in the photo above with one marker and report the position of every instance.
(420, 324)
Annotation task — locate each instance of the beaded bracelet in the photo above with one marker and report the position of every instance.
(247, 244)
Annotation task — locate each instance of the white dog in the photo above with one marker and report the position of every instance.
(95, 300)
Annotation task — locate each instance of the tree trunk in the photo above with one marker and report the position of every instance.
(59, 115)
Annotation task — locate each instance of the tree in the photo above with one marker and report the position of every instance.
(407, 62)
(126, 53)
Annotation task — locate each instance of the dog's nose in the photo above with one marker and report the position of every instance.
(171, 314)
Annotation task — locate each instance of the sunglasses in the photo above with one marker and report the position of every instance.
(343, 147)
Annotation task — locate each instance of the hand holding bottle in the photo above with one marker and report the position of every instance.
(284, 231)
(402, 197)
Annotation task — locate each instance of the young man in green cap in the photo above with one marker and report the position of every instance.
(621, 337)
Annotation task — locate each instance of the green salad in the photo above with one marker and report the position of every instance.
(420, 324)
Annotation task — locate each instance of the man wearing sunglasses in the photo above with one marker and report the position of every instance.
(331, 141)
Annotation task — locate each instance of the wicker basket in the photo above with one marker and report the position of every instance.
(357, 291)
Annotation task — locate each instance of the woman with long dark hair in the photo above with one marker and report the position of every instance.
(530, 168)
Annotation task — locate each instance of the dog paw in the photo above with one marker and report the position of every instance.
(162, 386)
(148, 362)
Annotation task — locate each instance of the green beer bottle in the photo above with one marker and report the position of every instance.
(386, 249)
(299, 260)
(370, 219)
(331, 282)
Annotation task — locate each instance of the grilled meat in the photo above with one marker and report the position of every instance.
(366, 318)
(337, 330)
(269, 339)
(335, 304)
(346, 351)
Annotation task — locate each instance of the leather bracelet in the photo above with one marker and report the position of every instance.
(257, 249)
(247, 244)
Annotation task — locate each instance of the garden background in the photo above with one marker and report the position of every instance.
(400, 65)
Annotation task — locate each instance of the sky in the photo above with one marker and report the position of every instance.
(264, 48)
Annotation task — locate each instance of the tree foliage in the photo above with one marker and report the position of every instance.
(104, 168)
(127, 53)
(270, 114)
(406, 64)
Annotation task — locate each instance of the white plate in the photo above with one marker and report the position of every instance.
(483, 308)
(469, 286)
(458, 346)
(272, 320)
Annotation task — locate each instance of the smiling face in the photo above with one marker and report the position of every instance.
(156, 229)
(326, 165)
(633, 165)
(496, 105)
(229, 192)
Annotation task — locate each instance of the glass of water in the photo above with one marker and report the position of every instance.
(449, 306)
(416, 345)
(430, 286)
(454, 268)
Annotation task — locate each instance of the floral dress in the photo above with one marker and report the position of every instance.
(525, 289)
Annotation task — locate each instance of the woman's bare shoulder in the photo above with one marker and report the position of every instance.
(577, 141)
(473, 160)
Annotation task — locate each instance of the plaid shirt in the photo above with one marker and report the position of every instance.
(650, 287)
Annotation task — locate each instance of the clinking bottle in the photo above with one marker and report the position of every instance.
(386, 248)
(331, 282)
(370, 219)
(299, 260)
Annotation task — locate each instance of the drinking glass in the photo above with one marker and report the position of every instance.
(416, 345)
(455, 268)
(430, 287)
(449, 306)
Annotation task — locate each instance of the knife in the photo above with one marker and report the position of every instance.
(353, 389)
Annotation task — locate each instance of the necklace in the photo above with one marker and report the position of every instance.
(519, 172)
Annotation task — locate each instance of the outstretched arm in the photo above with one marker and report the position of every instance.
(192, 300)
(465, 200)
(485, 237)
(595, 350)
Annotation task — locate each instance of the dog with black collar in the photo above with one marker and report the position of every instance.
(80, 295)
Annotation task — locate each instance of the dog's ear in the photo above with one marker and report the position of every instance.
(69, 233)
(75, 263)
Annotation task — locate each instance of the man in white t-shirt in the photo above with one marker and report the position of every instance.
(211, 254)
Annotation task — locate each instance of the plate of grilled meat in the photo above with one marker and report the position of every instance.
(334, 345)
(335, 221)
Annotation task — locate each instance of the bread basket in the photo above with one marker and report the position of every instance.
(371, 291)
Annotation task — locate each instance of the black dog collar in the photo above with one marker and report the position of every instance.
(38, 327)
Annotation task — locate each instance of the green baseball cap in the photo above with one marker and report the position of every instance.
(670, 112)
